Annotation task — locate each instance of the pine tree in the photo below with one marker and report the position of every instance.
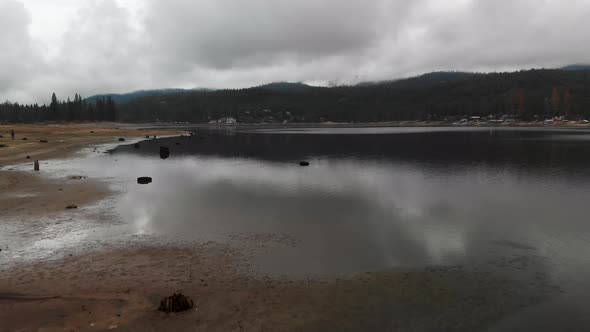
(54, 107)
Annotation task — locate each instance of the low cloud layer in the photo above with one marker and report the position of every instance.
(98, 46)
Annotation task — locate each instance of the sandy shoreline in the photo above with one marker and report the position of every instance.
(118, 288)
(62, 140)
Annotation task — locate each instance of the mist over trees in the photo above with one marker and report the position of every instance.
(525, 95)
(77, 110)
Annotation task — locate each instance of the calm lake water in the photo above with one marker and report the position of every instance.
(372, 198)
(514, 200)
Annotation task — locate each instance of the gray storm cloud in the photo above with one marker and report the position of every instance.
(17, 51)
(237, 33)
(109, 46)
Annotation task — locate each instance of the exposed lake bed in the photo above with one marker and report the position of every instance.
(455, 229)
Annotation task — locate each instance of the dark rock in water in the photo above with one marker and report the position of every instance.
(154, 136)
(304, 163)
(147, 136)
(121, 139)
(24, 138)
(136, 145)
(43, 141)
(164, 152)
(76, 177)
(176, 303)
(144, 180)
(70, 207)
(177, 143)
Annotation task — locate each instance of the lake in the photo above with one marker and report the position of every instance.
(372, 198)
(510, 200)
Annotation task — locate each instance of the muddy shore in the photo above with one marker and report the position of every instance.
(119, 288)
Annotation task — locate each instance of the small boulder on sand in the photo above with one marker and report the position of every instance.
(70, 207)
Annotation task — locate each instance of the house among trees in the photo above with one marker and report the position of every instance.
(225, 120)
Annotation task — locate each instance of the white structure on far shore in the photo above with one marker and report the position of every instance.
(226, 121)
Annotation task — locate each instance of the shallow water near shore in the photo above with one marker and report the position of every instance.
(511, 201)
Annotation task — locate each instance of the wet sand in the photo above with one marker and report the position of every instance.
(119, 287)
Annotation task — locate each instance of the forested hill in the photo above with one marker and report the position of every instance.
(529, 94)
(122, 98)
(526, 94)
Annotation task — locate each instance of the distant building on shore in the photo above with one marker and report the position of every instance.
(225, 121)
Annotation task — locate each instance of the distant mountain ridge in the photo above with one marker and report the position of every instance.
(576, 67)
(123, 98)
(435, 76)
(298, 87)
(285, 87)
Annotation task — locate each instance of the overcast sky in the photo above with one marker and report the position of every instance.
(98, 46)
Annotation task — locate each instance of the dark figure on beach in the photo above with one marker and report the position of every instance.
(12, 134)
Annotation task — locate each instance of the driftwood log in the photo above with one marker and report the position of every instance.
(176, 303)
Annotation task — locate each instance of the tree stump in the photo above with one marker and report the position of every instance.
(164, 152)
(176, 303)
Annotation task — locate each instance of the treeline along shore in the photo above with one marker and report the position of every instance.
(527, 95)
